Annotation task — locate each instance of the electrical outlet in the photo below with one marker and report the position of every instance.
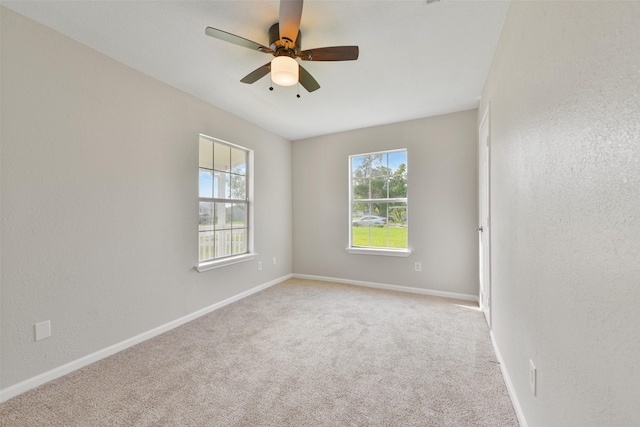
(42, 330)
(259, 265)
(274, 260)
(532, 377)
(418, 266)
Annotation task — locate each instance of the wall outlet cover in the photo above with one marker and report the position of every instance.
(42, 330)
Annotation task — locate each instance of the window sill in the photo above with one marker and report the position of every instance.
(383, 252)
(210, 265)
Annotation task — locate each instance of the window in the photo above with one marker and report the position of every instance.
(378, 203)
(224, 206)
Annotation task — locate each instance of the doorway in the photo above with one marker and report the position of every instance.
(484, 215)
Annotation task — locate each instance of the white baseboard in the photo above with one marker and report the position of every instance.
(409, 289)
(507, 379)
(45, 377)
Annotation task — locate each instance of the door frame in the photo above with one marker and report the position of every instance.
(484, 207)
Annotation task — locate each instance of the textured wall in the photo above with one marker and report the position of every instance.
(442, 186)
(564, 94)
(99, 201)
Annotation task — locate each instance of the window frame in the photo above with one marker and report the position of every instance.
(367, 250)
(249, 254)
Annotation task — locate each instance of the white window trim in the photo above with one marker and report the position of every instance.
(250, 254)
(357, 250)
(383, 252)
(223, 262)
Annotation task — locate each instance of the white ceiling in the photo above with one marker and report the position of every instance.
(416, 59)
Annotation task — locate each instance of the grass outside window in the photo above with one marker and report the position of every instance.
(379, 237)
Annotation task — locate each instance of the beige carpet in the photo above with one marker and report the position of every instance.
(301, 353)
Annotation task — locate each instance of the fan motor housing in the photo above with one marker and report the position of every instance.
(283, 46)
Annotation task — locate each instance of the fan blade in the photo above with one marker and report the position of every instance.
(307, 81)
(290, 14)
(232, 38)
(257, 74)
(335, 53)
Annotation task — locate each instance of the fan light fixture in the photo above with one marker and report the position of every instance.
(285, 41)
(284, 70)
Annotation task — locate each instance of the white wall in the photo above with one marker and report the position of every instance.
(564, 90)
(100, 203)
(442, 186)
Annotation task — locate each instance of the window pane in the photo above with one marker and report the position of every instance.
(223, 243)
(207, 246)
(397, 237)
(205, 183)
(380, 173)
(361, 188)
(378, 188)
(398, 214)
(359, 210)
(206, 216)
(221, 157)
(356, 162)
(238, 241)
(206, 153)
(378, 162)
(239, 215)
(238, 161)
(379, 209)
(222, 216)
(398, 179)
(396, 159)
(397, 225)
(237, 187)
(363, 166)
(398, 186)
(221, 185)
(360, 236)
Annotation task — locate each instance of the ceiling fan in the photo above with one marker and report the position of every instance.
(285, 40)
